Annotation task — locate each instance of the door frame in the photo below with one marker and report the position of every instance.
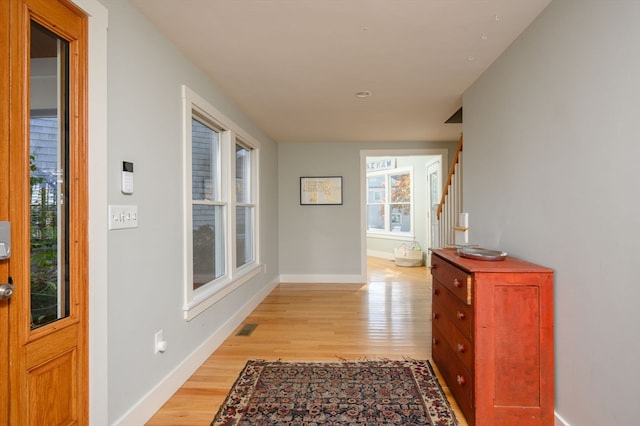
(430, 213)
(98, 208)
(399, 152)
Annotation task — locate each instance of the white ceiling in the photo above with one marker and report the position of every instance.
(294, 66)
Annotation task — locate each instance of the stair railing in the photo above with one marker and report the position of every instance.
(451, 202)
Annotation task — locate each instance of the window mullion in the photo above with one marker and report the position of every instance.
(387, 202)
(228, 170)
(232, 201)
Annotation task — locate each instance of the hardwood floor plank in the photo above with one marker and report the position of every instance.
(388, 317)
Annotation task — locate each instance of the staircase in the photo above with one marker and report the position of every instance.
(450, 206)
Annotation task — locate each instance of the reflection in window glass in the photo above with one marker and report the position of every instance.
(244, 235)
(400, 217)
(49, 159)
(208, 244)
(243, 174)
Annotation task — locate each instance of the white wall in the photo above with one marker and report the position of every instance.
(325, 243)
(145, 271)
(551, 176)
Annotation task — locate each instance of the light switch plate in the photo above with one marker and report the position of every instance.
(123, 217)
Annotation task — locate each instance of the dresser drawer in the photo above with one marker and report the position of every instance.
(446, 307)
(459, 380)
(455, 279)
(459, 345)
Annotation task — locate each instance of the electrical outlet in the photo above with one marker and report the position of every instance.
(160, 343)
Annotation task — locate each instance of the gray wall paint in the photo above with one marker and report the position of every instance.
(326, 240)
(145, 271)
(551, 175)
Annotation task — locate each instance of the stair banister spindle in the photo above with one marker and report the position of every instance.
(450, 206)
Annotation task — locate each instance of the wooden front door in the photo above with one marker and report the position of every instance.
(43, 195)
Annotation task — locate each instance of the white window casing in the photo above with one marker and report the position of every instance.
(219, 197)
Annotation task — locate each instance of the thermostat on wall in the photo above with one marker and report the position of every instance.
(127, 177)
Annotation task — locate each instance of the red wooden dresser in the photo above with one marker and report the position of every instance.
(493, 337)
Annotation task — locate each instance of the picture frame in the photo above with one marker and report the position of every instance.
(320, 190)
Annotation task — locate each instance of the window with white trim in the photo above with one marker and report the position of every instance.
(389, 202)
(220, 205)
(208, 207)
(245, 205)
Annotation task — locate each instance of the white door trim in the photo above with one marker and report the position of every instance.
(97, 227)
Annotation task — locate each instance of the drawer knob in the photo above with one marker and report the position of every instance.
(435, 315)
(457, 283)
(435, 341)
(460, 379)
(436, 292)
(461, 348)
(461, 315)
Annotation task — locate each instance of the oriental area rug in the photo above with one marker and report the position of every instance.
(336, 393)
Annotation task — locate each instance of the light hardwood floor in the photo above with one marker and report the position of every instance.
(388, 317)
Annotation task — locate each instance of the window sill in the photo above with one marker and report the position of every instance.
(216, 292)
(400, 236)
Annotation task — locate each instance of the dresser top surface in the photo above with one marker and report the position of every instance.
(509, 264)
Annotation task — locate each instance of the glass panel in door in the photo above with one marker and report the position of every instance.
(49, 142)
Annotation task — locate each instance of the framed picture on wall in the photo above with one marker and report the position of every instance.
(320, 190)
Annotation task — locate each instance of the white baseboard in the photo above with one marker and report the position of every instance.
(380, 254)
(144, 409)
(325, 279)
(559, 421)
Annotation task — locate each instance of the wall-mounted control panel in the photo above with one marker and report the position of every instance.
(127, 177)
(123, 217)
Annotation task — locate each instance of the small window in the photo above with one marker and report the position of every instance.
(220, 251)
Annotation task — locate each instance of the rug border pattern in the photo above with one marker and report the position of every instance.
(422, 372)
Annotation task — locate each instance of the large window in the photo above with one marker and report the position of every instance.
(220, 163)
(389, 202)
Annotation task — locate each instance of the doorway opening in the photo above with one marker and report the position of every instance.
(399, 191)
